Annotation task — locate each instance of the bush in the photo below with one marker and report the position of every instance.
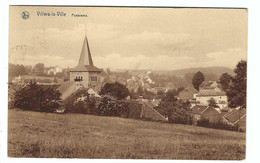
(109, 106)
(134, 109)
(204, 122)
(117, 90)
(37, 98)
(86, 106)
(181, 119)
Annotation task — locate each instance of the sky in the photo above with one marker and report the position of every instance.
(129, 38)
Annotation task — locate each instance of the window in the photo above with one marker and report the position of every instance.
(93, 78)
(78, 78)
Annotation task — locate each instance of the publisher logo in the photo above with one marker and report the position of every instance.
(25, 15)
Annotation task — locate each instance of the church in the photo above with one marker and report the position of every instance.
(85, 73)
(84, 76)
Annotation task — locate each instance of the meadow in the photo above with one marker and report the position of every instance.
(47, 135)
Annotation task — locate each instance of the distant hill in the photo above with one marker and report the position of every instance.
(210, 73)
(205, 70)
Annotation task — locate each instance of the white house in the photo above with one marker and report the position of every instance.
(211, 90)
(54, 70)
(205, 95)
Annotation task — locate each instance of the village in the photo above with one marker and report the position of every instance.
(208, 102)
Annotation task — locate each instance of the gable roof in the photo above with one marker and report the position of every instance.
(210, 111)
(92, 92)
(234, 116)
(192, 90)
(198, 109)
(202, 85)
(210, 92)
(208, 84)
(64, 86)
(77, 93)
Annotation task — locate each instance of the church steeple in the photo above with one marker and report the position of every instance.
(85, 56)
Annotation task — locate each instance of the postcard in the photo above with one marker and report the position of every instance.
(127, 83)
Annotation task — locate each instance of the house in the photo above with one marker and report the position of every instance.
(209, 112)
(148, 112)
(212, 90)
(17, 80)
(236, 117)
(205, 95)
(209, 85)
(53, 70)
(188, 93)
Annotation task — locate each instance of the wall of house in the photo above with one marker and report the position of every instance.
(213, 118)
(85, 76)
(86, 80)
(95, 85)
(205, 99)
(212, 114)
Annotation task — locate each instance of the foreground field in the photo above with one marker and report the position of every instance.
(33, 134)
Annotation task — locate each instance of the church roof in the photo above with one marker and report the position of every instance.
(87, 68)
(85, 60)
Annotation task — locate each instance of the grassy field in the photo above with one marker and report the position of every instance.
(33, 134)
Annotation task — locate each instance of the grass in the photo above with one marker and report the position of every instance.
(46, 135)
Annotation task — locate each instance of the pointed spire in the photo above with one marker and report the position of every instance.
(85, 56)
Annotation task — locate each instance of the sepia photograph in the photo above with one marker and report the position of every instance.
(127, 82)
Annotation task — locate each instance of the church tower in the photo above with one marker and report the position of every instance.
(85, 73)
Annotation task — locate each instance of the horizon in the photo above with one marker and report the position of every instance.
(118, 70)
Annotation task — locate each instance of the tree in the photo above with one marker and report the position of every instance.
(176, 110)
(225, 80)
(37, 98)
(197, 79)
(117, 90)
(39, 68)
(212, 103)
(237, 89)
(110, 106)
(16, 70)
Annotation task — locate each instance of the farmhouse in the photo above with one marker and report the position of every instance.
(211, 90)
(148, 112)
(188, 93)
(236, 117)
(209, 112)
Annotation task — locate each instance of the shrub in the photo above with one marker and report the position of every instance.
(109, 106)
(181, 119)
(204, 122)
(86, 106)
(37, 98)
(134, 109)
(117, 90)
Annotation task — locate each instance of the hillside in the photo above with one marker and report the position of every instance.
(33, 134)
(207, 70)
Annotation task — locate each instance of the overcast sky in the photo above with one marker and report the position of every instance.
(130, 38)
